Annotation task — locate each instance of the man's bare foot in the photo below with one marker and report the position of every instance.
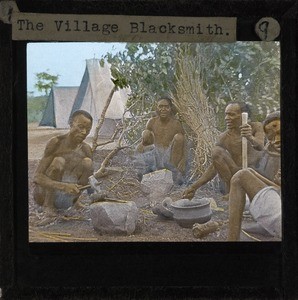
(225, 197)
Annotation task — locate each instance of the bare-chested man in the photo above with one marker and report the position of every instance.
(167, 134)
(65, 165)
(227, 153)
(263, 194)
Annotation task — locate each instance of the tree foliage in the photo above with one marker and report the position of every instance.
(35, 108)
(149, 70)
(241, 71)
(45, 81)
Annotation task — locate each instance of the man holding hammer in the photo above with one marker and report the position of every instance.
(66, 164)
(227, 153)
(263, 194)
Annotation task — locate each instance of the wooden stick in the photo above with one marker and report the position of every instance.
(85, 187)
(55, 238)
(244, 142)
(56, 233)
(80, 238)
(250, 236)
(102, 118)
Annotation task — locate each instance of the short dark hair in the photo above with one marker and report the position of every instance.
(170, 100)
(275, 115)
(77, 113)
(244, 107)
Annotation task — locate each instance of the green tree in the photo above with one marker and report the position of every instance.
(209, 75)
(149, 70)
(245, 71)
(35, 108)
(45, 81)
(241, 71)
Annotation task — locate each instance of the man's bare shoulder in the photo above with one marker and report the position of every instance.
(87, 149)
(176, 123)
(222, 138)
(153, 119)
(53, 144)
(151, 122)
(174, 119)
(223, 135)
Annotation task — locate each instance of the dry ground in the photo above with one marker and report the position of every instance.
(74, 225)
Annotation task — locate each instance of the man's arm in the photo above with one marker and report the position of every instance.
(275, 184)
(254, 133)
(43, 180)
(150, 123)
(179, 128)
(208, 175)
(87, 150)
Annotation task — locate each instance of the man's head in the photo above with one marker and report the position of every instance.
(164, 107)
(80, 125)
(233, 113)
(271, 127)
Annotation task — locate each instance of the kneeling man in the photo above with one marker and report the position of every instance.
(263, 194)
(227, 153)
(165, 132)
(66, 164)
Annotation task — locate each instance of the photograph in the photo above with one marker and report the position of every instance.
(154, 142)
(148, 149)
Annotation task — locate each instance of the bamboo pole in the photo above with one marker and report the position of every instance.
(244, 142)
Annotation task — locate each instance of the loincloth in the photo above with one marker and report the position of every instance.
(265, 209)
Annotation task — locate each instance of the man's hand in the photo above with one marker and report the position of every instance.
(189, 193)
(277, 178)
(246, 131)
(71, 188)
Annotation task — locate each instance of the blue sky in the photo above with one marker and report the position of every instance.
(65, 59)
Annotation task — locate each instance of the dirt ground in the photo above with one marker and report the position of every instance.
(74, 225)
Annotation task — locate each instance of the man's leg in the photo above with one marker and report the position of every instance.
(55, 172)
(46, 196)
(242, 183)
(177, 152)
(84, 170)
(147, 139)
(224, 164)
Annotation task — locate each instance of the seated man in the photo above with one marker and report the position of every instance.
(227, 153)
(65, 165)
(167, 135)
(263, 194)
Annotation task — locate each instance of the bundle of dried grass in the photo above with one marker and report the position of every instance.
(192, 103)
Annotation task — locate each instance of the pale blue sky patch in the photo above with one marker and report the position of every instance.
(66, 59)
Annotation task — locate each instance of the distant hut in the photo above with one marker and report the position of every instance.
(59, 106)
(93, 92)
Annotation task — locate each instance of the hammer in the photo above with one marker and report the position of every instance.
(99, 195)
(102, 196)
(93, 183)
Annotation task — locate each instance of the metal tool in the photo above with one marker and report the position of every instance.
(102, 196)
(93, 183)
